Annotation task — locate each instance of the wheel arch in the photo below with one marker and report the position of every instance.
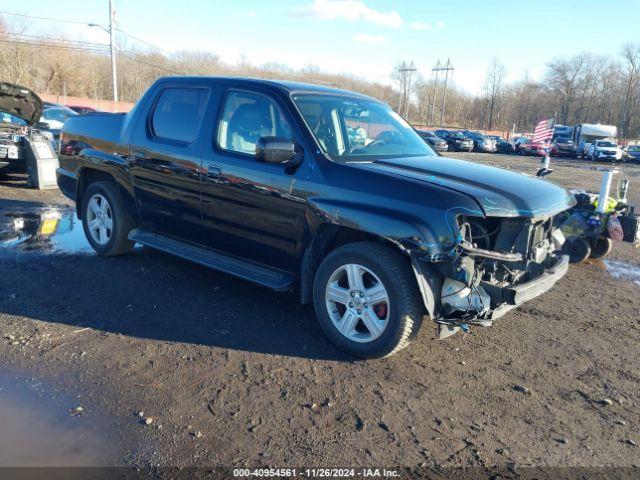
(328, 237)
(89, 175)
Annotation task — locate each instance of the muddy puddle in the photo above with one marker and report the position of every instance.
(43, 427)
(629, 272)
(624, 271)
(47, 231)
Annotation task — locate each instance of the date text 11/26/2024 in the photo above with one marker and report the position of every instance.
(316, 472)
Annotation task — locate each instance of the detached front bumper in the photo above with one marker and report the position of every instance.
(509, 297)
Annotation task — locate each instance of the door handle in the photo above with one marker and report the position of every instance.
(138, 155)
(214, 171)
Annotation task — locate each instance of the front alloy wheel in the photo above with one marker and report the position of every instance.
(367, 300)
(357, 302)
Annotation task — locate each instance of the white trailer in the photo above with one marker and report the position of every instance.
(585, 134)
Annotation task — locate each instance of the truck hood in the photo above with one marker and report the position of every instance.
(20, 102)
(500, 193)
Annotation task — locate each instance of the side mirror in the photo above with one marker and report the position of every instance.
(275, 150)
(42, 126)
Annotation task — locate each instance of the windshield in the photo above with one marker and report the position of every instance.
(634, 149)
(59, 114)
(606, 144)
(476, 135)
(352, 128)
(563, 140)
(424, 134)
(458, 135)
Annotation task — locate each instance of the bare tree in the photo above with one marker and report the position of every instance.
(631, 55)
(493, 86)
(565, 77)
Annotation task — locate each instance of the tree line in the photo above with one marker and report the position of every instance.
(585, 88)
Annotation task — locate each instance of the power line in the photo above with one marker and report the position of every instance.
(59, 40)
(44, 18)
(88, 24)
(25, 43)
(143, 41)
(89, 50)
(448, 67)
(406, 72)
(145, 62)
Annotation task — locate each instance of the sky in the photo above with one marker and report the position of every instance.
(364, 38)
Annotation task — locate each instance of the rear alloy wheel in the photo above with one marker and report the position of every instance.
(105, 220)
(366, 299)
(99, 219)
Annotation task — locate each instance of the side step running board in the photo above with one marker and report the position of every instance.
(259, 274)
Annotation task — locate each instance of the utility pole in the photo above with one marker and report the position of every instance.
(112, 44)
(447, 68)
(434, 71)
(406, 71)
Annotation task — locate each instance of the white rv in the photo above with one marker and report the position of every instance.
(585, 134)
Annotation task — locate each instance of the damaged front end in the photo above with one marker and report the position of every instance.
(496, 265)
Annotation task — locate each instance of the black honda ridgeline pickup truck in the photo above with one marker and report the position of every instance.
(326, 191)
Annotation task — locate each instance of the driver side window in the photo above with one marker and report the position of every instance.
(245, 118)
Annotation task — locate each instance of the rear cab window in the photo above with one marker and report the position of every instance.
(178, 113)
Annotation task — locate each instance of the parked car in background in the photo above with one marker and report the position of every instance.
(606, 149)
(437, 143)
(22, 139)
(585, 134)
(531, 148)
(56, 117)
(258, 178)
(502, 145)
(517, 143)
(456, 141)
(632, 152)
(481, 143)
(81, 109)
(564, 147)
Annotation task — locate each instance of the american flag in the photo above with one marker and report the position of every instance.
(543, 131)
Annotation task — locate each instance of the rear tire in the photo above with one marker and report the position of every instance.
(105, 220)
(344, 305)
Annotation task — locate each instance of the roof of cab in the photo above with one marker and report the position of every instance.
(287, 86)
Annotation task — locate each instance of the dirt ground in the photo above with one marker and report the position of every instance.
(232, 374)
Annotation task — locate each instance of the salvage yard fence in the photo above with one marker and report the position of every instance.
(98, 104)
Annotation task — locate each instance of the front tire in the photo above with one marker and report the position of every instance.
(105, 220)
(366, 299)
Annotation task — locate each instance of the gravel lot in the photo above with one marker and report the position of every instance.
(232, 374)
